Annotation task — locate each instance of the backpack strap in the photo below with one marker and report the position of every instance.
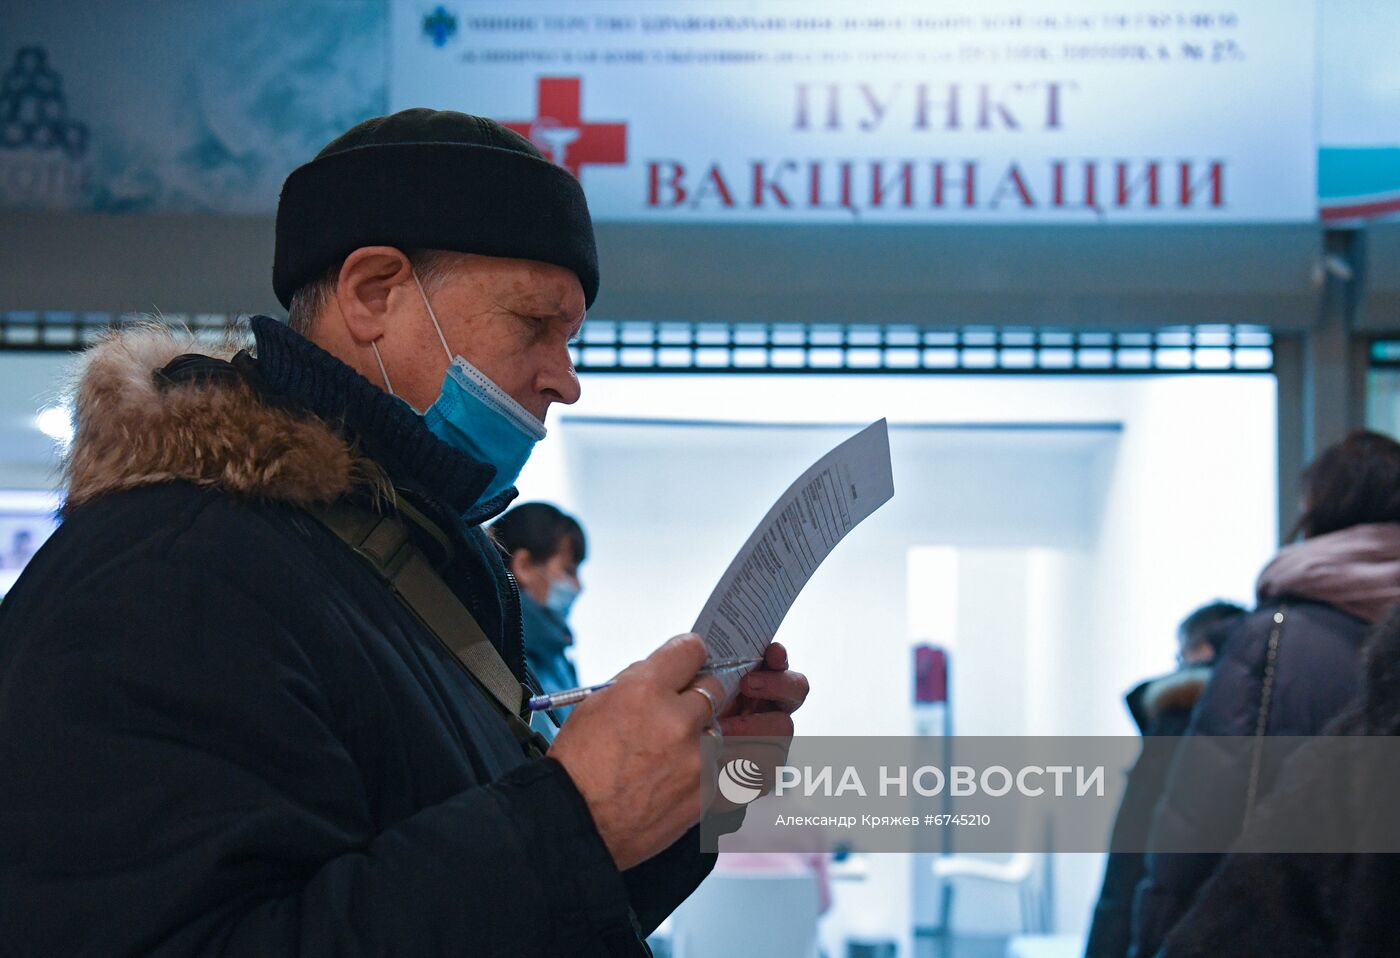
(384, 542)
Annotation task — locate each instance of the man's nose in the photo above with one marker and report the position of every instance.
(559, 382)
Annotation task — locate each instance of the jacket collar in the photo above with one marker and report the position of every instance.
(303, 428)
(296, 370)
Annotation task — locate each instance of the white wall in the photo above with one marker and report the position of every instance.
(666, 506)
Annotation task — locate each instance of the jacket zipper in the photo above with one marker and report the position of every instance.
(519, 622)
(1266, 698)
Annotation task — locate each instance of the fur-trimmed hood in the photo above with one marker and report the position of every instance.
(131, 432)
(1177, 691)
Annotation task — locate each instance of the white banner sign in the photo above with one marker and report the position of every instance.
(728, 111)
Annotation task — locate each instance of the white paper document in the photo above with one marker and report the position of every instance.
(827, 501)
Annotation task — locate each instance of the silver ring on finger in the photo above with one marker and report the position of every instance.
(714, 732)
(709, 697)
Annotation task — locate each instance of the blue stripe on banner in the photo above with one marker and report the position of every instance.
(1351, 173)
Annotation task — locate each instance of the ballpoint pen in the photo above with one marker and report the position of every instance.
(556, 700)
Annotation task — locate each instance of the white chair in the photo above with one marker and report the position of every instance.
(748, 916)
(1045, 946)
(1023, 871)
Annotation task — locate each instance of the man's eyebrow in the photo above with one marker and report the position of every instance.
(528, 305)
(534, 303)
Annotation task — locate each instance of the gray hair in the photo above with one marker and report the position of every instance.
(433, 267)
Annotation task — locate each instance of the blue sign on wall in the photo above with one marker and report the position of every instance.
(179, 105)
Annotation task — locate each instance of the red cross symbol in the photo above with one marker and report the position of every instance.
(563, 136)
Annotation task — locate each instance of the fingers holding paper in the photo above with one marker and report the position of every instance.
(767, 698)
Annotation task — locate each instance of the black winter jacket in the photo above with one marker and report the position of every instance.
(1316, 673)
(221, 733)
(1310, 905)
(1161, 708)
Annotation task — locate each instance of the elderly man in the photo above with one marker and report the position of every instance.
(261, 692)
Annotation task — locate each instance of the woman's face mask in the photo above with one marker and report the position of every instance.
(475, 416)
(561, 596)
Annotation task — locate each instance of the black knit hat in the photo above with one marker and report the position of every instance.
(429, 179)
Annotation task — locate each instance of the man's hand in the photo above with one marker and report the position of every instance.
(767, 698)
(760, 718)
(633, 750)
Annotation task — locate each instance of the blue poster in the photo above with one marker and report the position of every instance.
(179, 106)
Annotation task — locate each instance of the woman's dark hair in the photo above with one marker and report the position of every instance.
(1355, 482)
(540, 529)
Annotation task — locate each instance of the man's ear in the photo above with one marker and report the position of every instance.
(368, 278)
(521, 561)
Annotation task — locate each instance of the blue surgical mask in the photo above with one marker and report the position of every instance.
(475, 416)
(561, 596)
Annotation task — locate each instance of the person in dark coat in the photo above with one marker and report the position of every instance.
(1290, 667)
(1341, 905)
(1161, 709)
(221, 731)
(544, 549)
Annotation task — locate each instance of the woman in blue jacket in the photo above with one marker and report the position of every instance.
(545, 548)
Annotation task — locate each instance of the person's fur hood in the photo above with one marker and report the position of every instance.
(131, 431)
(1176, 691)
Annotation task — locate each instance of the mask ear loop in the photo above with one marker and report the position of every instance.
(382, 371)
(432, 315)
